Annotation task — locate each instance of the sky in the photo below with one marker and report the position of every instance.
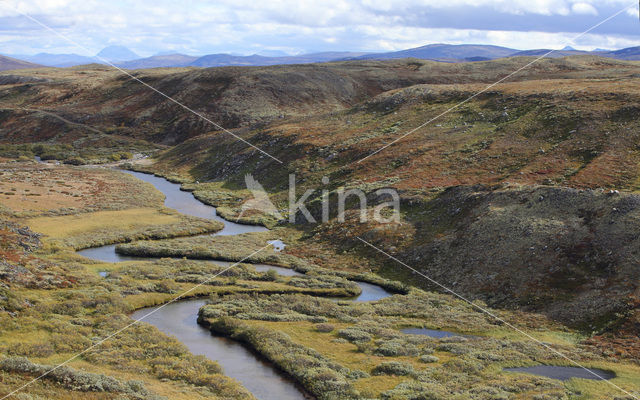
(199, 27)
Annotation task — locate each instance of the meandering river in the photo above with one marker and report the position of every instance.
(180, 318)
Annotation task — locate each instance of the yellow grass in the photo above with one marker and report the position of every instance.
(547, 336)
(626, 379)
(346, 354)
(123, 220)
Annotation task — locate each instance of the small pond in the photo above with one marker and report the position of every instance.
(435, 333)
(565, 373)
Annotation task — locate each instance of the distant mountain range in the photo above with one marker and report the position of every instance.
(445, 52)
(113, 54)
(125, 58)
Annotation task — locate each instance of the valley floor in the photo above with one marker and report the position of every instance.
(55, 304)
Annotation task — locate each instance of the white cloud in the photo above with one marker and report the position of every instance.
(584, 8)
(397, 38)
(205, 26)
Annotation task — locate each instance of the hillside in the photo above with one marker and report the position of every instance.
(565, 251)
(233, 97)
(551, 127)
(568, 123)
(8, 63)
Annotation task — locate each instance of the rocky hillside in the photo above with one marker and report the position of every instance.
(577, 131)
(568, 252)
(234, 97)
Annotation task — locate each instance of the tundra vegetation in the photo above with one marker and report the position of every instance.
(357, 350)
(55, 304)
(523, 199)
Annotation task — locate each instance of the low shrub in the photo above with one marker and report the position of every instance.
(73, 379)
(395, 348)
(326, 328)
(420, 391)
(75, 161)
(354, 335)
(393, 368)
(31, 350)
(427, 358)
(365, 347)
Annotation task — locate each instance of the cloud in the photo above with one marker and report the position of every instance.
(247, 26)
(584, 8)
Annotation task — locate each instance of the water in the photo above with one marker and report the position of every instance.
(185, 203)
(107, 254)
(370, 292)
(431, 332)
(179, 319)
(565, 373)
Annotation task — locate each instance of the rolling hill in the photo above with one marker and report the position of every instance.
(222, 60)
(125, 58)
(8, 63)
(631, 54)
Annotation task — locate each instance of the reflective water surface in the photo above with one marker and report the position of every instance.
(431, 332)
(565, 373)
(179, 319)
(189, 205)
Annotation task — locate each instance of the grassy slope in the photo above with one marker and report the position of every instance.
(566, 123)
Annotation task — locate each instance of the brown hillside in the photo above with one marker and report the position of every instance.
(8, 63)
(235, 97)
